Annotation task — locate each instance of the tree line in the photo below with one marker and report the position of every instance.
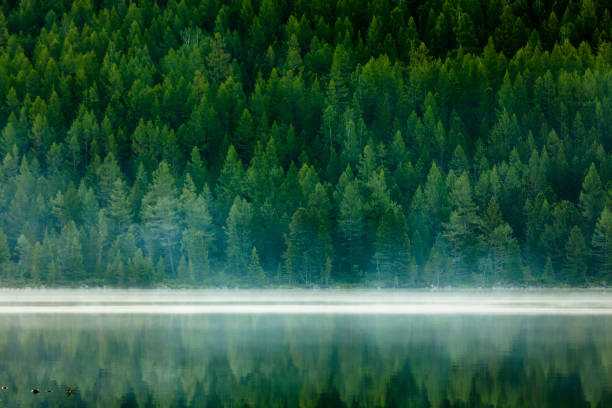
(260, 142)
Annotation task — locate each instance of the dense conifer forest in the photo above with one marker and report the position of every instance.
(305, 142)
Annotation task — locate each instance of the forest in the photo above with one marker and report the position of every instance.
(396, 143)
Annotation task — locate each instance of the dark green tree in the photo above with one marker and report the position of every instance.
(461, 231)
(577, 256)
(602, 245)
(592, 197)
(309, 250)
(352, 228)
(392, 258)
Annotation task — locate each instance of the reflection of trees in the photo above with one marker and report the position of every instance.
(565, 391)
(606, 399)
(306, 361)
(403, 391)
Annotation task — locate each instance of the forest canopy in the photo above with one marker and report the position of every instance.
(263, 142)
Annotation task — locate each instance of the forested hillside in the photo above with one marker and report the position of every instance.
(305, 142)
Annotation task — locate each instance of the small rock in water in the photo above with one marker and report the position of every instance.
(4, 387)
(35, 391)
(70, 391)
(49, 390)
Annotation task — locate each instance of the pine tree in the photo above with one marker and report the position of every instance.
(69, 253)
(435, 198)
(5, 254)
(510, 34)
(195, 210)
(160, 212)
(245, 134)
(3, 30)
(82, 133)
(230, 182)
(138, 191)
(548, 273)
(327, 272)
(602, 245)
(392, 259)
(218, 60)
(239, 241)
(141, 270)
(461, 232)
(106, 174)
(294, 58)
(256, 275)
(351, 225)
(459, 162)
(119, 209)
(196, 249)
(436, 270)
(577, 256)
(308, 248)
(196, 168)
(496, 234)
(465, 34)
(184, 273)
(115, 268)
(592, 197)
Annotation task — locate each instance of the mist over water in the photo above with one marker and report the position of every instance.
(328, 348)
(113, 301)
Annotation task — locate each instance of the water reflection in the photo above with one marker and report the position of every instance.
(306, 361)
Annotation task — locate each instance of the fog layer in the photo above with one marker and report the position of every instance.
(568, 302)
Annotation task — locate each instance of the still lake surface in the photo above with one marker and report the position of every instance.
(306, 348)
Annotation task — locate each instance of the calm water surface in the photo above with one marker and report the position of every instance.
(306, 349)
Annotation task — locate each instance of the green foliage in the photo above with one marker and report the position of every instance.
(160, 214)
(576, 257)
(5, 255)
(309, 249)
(351, 226)
(370, 143)
(461, 231)
(592, 198)
(239, 237)
(256, 275)
(602, 245)
(392, 255)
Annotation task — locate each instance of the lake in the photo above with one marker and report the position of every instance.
(298, 348)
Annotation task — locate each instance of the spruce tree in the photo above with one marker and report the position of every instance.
(351, 225)
(602, 245)
(592, 197)
(392, 257)
(435, 198)
(119, 209)
(256, 275)
(462, 229)
(239, 239)
(230, 182)
(576, 258)
(160, 213)
(5, 254)
(308, 248)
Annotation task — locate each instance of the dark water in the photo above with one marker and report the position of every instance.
(306, 361)
(302, 360)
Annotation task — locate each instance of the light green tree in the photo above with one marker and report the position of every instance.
(577, 256)
(160, 213)
(239, 239)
